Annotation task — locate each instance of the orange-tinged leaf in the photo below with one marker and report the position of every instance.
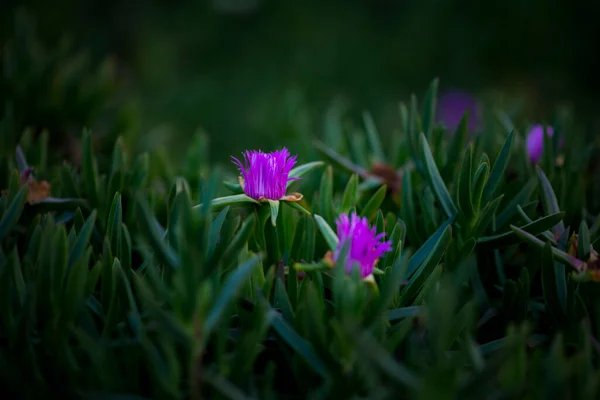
(38, 191)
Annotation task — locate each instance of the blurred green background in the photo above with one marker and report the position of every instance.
(263, 73)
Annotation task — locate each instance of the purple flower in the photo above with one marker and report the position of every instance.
(365, 246)
(452, 106)
(535, 142)
(264, 176)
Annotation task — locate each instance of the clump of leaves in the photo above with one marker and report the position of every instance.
(133, 278)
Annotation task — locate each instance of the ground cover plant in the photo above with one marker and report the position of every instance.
(447, 263)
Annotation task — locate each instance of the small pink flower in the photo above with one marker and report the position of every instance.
(452, 106)
(264, 176)
(535, 142)
(365, 246)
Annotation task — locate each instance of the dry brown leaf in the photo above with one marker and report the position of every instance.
(38, 191)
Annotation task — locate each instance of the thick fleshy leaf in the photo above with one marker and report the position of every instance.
(89, 169)
(50, 204)
(235, 188)
(215, 228)
(372, 351)
(487, 215)
(456, 147)
(372, 182)
(350, 197)
(584, 244)
(328, 233)
(234, 200)
(435, 179)
(13, 213)
(390, 286)
(220, 383)
(397, 237)
(427, 248)
(358, 149)
(464, 183)
(319, 266)
(325, 205)
(408, 210)
(341, 161)
(521, 198)
(297, 206)
(401, 313)
(479, 180)
(558, 254)
(429, 107)
(422, 273)
(555, 304)
(374, 203)
(22, 163)
(296, 342)
(510, 238)
(498, 168)
(163, 251)
(115, 219)
(228, 293)
(83, 238)
(373, 137)
(549, 200)
(301, 170)
(237, 242)
(274, 207)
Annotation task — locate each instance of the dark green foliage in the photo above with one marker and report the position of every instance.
(133, 281)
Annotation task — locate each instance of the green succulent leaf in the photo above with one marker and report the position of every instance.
(457, 145)
(236, 188)
(156, 238)
(304, 169)
(498, 169)
(274, 207)
(373, 137)
(313, 267)
(350, 196)
(479, 180)
(427, 248)
(296, 342)
(429, 107)
(89, 169)
(464, 183)
(340, 160)
(438, 185)
(372, 206)
(83, 239)
(549, 200)
(557, 254)
(584, 242)
(521, 198)
(556, 304)
(534, 228)
(328, 233)
(421, 274)
(228, 293)
(13, 213)
(234, 200)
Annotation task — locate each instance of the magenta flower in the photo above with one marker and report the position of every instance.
(452, 106)
(365, 246)
(264, 176)
(535, 142)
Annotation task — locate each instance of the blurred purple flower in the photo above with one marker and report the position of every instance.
(535, 142)
(452, 106)
(264, 176)
(365, 246)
